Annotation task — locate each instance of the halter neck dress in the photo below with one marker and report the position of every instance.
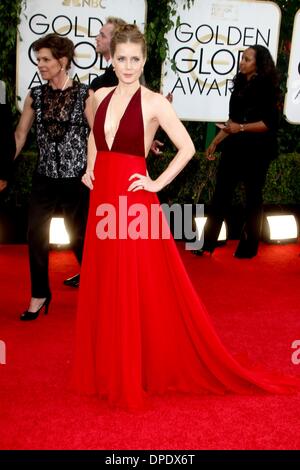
(141, 327)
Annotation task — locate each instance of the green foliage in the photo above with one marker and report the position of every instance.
(9, 20)
(160, 19)
(194, 184)
(19, 190)
(197, 181)
(283, 180)
(289, 134)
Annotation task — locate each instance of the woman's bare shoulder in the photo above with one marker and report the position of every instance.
(155, 100)
(102, 92)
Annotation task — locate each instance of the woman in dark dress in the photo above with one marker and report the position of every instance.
(62, 113)
(248, 144)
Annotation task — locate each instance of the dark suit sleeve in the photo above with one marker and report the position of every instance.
(7, 142)
(107, 79)
(96, 83)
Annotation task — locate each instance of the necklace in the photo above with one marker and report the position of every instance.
(64, 85)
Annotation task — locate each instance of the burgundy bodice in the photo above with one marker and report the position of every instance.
(129, 138)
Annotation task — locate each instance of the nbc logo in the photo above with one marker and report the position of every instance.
(82, 3)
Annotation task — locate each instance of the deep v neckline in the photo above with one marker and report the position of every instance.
(110, 95)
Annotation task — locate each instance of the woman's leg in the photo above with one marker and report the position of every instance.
(41, 209)
(226, 181)
(74, 204)
(254, 180)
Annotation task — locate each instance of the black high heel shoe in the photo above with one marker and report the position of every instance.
(27, 315)
(202, 252)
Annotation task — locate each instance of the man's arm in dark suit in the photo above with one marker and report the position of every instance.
(107, 79)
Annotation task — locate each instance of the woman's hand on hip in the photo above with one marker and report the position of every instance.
(143, 182)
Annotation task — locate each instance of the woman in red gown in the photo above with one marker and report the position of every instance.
(141, 327)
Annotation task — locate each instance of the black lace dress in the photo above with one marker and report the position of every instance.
(62, 132)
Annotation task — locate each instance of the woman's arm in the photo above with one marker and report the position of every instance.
(209, 152)
(24, 124)
(170, 123)
(234, 127)
(89, 176)
(88, 111)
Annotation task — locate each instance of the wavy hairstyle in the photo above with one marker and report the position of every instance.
(265, 68)
(128, 33)
(59, 46)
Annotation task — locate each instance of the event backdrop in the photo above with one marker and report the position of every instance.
(207, 46)
(292, 98)
(80, 20)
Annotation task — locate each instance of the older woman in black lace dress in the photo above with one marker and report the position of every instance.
(62, 113)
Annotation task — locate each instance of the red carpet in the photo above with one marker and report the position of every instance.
(255, 305)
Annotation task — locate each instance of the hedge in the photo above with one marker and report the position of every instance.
(195, 183)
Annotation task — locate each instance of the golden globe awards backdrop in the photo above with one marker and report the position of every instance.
(292, 97)
(80, 20)
(206, 48)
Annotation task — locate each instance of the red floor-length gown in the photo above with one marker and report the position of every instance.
(141, 327)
